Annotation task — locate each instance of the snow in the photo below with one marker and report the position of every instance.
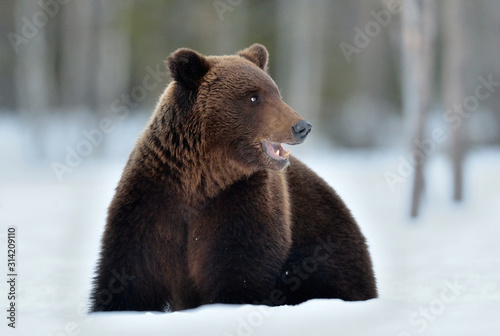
(437, 275)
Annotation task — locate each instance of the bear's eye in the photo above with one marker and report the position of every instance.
(255, 99)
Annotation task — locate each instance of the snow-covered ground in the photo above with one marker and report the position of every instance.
(437, 275)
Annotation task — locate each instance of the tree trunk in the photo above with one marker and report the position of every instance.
(419, 33)
(455, 56)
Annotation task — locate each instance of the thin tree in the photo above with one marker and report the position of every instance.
(454, 61)
(419, 35)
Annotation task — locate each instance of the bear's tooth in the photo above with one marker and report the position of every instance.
(278, 152)
(285, 154)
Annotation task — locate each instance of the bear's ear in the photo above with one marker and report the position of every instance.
(187, 67)
(257, 54)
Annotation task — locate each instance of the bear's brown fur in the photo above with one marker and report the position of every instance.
(208, 210)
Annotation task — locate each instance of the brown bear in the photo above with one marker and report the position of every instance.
(211, 209)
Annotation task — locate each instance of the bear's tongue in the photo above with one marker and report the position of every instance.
(275, 151)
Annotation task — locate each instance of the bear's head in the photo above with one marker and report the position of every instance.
(235, 106)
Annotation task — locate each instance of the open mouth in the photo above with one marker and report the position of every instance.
(275, 151)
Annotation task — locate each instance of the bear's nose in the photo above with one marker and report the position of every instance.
(301, 130)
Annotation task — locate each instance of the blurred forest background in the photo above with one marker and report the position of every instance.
(66, 64)
(404, 98)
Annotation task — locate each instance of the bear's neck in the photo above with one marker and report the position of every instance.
(179, 160)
